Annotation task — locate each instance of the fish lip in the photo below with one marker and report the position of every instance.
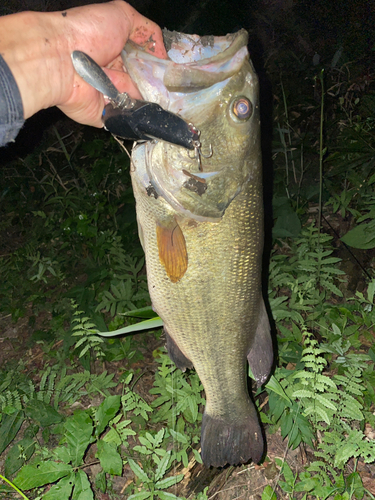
(169, 75)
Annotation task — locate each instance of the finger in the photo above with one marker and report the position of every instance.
(144, 32)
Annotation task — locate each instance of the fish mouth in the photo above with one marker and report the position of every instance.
(198, 81)
(194, 63)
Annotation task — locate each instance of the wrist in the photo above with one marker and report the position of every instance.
(30, 45)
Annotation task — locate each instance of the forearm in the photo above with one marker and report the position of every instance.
(29, 44)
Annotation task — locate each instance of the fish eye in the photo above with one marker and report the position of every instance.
(241, 108)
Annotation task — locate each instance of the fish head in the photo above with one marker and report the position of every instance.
(211, 83)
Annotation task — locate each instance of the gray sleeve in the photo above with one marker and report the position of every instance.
(11, 108)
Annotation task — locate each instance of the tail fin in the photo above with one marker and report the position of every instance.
(231, 442)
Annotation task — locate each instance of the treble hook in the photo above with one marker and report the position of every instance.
(198, 154)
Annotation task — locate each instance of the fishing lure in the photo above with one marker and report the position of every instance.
(134, 119)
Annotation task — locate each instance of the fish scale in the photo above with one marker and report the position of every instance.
(204, 257)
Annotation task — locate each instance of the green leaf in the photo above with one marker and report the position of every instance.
(143, 325)
(163, 466)
(143, 312)
(62, 489)
(42, 413)
(169, 481)
(287, 226)
(371, 291)
(274, 385)
(78, 432)
(197, 456)
(18, 455)
(109, 457)
(164, 495)
(288, 474)
(179, 437)
(141, 495)
(61, 453)
(10, 426)
(344, 453)
(32, 476)
(307, 484)
(360, 237)
(354, 485)
(268, 493)
(106, 412)
(82, 488)
(138, 471)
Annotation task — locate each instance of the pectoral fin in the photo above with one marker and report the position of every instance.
(172, 250)
(260, 356)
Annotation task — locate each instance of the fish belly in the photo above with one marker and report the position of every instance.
(214, 316)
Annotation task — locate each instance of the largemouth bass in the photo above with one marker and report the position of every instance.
(201, 226)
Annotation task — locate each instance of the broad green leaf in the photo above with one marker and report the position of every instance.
(148, 324)
(109, 457)
(82, 488)
(180, 438)
(163, 466)
(371, 291)
(141, 495)
(61, 453)
(288, 474)
(274, 385)
(169, 481)
(78, 432)
(143, 312)
(138, 471)
(164, 495)
(193, 407)
(32, 476)
(360, 237)
(18, 455)
(287, 225)
(197, 456)
(10, 425)
(268, 493)
(62, 489)
(106, 412)
(307, 484)
(42, 413)
(354, 485)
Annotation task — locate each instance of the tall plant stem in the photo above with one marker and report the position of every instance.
(322, 151)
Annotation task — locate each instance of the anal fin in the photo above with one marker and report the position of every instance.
(178, 358)
(260, 356)
(172, 250)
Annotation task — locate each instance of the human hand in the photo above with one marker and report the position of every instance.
(38, 46)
